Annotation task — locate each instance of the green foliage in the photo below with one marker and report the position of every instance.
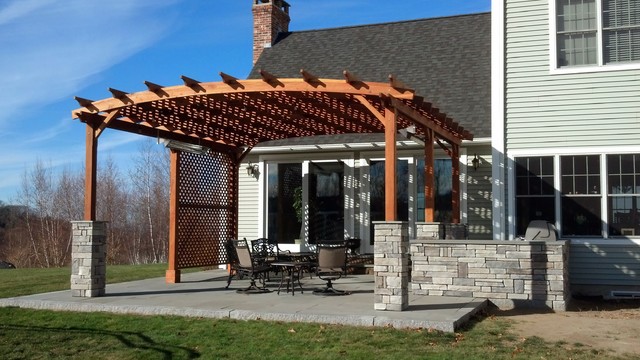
(19, 282)
(38, 334)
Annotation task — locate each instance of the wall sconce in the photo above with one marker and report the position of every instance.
(253, 170)
(475, 162)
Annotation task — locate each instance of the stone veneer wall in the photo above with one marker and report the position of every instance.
(88, 258)
(508, 273)
(391, 265)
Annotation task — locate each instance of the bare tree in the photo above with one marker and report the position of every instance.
(112, 206)
(150, 186)
(48, 232)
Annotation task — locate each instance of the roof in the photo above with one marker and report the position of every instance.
(446, 60)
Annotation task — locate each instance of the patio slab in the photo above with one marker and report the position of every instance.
(203, 294)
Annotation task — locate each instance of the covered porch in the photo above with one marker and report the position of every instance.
(214, 125)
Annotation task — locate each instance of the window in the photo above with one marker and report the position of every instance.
(581, 198)
(326, 201)
(284, 185)
(624, 194)
(582, 210)
(534, 191)
(597, 32)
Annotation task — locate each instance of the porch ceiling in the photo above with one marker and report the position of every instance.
(234, 115)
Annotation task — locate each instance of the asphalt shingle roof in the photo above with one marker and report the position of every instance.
(447, 60)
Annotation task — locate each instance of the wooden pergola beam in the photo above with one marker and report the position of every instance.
(91, 161)
(270, 78)
(429, 174)
(105, 123)
(390, 164)
(420, 119)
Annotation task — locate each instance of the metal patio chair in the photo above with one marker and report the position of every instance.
(332, 265)
(247, 265)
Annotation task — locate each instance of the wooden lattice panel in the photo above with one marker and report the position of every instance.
(207, 209)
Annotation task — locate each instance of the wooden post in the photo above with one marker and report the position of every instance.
(429, 181)
(91, 160)
(390, 155)
(455, 185)
(172, 275)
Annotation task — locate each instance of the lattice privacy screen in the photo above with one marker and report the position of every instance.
(207, 210)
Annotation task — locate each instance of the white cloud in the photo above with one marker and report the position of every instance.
(51, 49)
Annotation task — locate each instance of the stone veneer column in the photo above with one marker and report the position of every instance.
(391, 265)
(88, 258)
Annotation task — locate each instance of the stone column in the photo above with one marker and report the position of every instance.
(88, 257)
(391, 265)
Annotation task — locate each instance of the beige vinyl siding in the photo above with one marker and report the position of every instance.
(248, 204)
(545, 109)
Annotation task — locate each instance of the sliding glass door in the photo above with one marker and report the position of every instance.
(284, 191)
(326, 201)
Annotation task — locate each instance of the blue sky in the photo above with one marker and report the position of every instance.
(54, 50)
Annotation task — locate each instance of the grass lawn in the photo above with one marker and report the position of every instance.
(40, 334)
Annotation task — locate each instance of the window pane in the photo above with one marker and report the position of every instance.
(593, 185)
(621, 35)
(284, 222)
(580, 185)
(443, 180)
(614, 184)
(521, 166)
(581, 216)
(547, 165)
(577, 31)
(613, 164)
(534, 176)
(326, 201)
(624, 218)
(580, 174)
(626, 164)
(533, 208)
(566, 165)
(547, 186)
(626, 185)
(534, 191)
(534, 166)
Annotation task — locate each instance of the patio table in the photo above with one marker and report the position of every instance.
(290, 272)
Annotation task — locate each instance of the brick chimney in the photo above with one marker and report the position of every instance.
(270, 17)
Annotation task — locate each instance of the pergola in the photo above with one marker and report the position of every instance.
(231, 116)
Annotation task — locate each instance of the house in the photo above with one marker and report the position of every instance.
(339, 178)
(548, 88)
(553, 108)
(566, 85)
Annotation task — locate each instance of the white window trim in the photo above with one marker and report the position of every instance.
(600, 67)
(556, 153)
(305, 159)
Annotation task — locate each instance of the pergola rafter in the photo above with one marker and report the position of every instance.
(231, 116)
